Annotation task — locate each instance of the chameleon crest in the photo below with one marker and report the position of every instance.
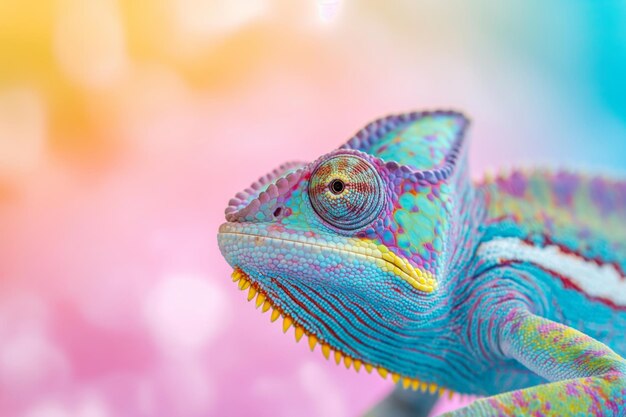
(384, 252)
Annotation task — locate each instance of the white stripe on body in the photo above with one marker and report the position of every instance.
(597, 281)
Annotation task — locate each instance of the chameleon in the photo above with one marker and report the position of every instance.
(387, 256)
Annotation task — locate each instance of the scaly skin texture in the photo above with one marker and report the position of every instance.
(385, 253)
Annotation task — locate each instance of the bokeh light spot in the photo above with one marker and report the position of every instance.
(23, 130)
(185, 312)
(89, 42)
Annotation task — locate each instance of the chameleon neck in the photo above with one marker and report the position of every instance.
(435, 350)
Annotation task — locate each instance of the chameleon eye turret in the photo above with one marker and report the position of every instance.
(346, 192)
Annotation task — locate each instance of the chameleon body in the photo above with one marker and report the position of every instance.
(387, 255)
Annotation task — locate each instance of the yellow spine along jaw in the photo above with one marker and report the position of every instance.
(245, 283)
(421, 280)
(390, 262)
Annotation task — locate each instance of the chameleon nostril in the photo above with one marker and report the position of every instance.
(277, 211)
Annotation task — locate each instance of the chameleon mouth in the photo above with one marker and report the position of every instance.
(385, 259)
(263, 301)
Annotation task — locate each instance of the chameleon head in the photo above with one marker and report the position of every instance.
(349, 250)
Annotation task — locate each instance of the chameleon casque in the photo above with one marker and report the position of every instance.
(386, 254)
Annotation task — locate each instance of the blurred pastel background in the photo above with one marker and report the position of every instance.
(125, 127)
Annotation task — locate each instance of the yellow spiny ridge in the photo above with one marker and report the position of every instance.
(347, 360)
(287, 323)
(299, 333)
(275, 315)
(245, 283)
(251, 293)
(326, 350)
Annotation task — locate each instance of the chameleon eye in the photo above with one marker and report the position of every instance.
(346, 192)
(336, 186)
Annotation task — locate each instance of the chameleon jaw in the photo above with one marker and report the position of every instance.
(379, 254)
(244, 282)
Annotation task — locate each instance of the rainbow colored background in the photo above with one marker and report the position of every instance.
(125, 127)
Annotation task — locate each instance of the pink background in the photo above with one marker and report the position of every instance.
(125, 127)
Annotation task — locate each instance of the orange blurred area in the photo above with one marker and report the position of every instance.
(76, 61)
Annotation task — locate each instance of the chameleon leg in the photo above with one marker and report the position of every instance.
(404, 403)
(590, 377)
